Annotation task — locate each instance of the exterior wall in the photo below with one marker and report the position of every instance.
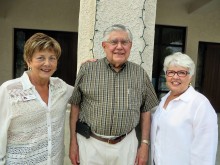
(42, 14)
(202, 24)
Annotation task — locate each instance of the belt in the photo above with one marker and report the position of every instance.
(109, 141)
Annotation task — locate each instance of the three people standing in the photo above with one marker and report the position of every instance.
(110, 97)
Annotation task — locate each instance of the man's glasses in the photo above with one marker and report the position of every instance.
(180, 73)
(116, 42)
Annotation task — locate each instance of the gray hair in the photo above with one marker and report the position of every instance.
(179, 59)
(116, 27)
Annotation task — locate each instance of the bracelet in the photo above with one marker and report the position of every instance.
(146, 142)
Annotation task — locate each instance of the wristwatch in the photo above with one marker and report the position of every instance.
(146, 142)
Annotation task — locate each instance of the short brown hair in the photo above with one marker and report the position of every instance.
(40, 42)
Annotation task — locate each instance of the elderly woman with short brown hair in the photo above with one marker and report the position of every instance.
(33, 108)
(184, 127)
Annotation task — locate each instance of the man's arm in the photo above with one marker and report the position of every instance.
(143, 151)
(74, 150)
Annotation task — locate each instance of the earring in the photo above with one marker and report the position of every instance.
(29, 68)
(190, 84)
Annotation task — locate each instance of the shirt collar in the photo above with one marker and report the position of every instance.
(26, 83)
(110, 65)
(186, 96)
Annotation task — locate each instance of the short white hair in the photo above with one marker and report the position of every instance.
(179, 59)
(116, 27)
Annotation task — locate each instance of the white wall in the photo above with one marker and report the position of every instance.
(29, 14)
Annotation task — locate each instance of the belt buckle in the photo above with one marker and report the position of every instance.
(111, 141)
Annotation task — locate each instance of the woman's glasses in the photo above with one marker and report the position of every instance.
(180, 73)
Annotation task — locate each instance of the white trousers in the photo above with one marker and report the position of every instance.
(96, 152)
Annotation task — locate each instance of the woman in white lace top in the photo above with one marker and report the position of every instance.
(32, 108)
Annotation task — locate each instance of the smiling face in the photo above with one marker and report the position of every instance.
(117, 54)
(177, 84)
(43, 64)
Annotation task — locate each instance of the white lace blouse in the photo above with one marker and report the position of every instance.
(32, 132)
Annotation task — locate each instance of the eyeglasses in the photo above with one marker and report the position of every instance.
(116, 42)
(180, 73)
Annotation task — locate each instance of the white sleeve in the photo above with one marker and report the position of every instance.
(70, 90)
(205, 140)
(5, 113)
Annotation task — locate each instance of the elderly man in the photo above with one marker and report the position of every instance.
(110, 97)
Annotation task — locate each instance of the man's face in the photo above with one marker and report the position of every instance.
(117, 48)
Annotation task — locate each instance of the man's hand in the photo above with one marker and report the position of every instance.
(74, 153)
(74, 149)
(142, 155)
(143, 151)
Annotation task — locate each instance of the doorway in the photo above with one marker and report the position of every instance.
(208, 72)
(168, 40)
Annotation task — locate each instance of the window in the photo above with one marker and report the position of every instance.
(168, 40)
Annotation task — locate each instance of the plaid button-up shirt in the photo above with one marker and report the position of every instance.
(111, 102)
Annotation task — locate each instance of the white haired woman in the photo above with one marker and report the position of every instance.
(184, 127)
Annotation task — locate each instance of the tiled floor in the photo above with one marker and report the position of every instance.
(67, 161)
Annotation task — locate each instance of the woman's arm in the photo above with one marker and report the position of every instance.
(5, 113)
(205, 141)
